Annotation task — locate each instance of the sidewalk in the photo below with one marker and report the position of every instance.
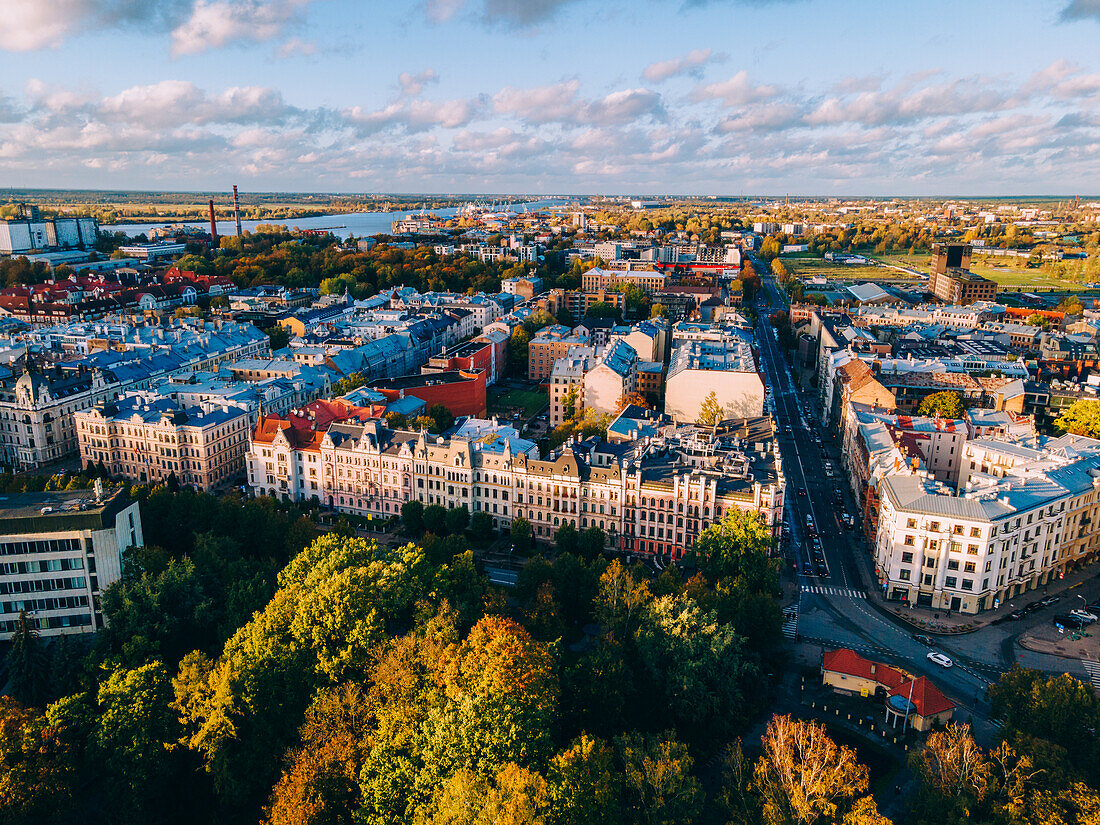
(943, 622)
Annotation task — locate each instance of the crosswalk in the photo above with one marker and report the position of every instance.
(826, 590)
(790, 622)
(1093, 670)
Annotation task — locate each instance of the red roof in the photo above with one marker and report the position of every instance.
(306, 427)
(926, 697)
(852, 664)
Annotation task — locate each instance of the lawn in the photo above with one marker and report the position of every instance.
(1012, 278)
(505, 403)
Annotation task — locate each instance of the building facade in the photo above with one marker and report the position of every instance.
(146, 438)
(58, 552)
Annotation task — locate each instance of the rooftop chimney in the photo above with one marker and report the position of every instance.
(237, 210)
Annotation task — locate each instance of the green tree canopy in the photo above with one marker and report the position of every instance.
(1082, 417)
(945, 404)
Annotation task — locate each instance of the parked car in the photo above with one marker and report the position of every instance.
(1016, 615)
(924, 640)
(938, 658)
(1066, 620)
(1049, 600)
(1084, 615)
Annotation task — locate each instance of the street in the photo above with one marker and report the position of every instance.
(832, 608)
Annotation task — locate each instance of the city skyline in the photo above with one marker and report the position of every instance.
(565, 96)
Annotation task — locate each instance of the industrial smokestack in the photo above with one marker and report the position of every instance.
(213, 226)
(237, 210)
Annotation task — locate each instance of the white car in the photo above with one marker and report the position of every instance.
(939, 659)
(1083, 615)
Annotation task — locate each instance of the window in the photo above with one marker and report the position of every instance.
(934, 526)
(906, 558)
(975, 532)
(928, 579)
(972, 549)
(968, 584)
(957, 530)
(953, 564)
(970, 567)
(911, 523)
(950, 581)
(904, 575)
(909, 541)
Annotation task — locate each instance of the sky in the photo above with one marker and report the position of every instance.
(712, 97)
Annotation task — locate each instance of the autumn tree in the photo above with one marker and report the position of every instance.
(635, 398)
(659, 787)
(804, 777)
(1082, 417)
(37, 769)
(945, 404)
(711, 412)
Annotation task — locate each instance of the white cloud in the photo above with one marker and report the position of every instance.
(691, 63)
(296, 47)
(736, 91)
(213, 24)
(561, 103)
(413, 84)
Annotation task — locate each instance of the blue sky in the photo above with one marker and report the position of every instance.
(575, 96)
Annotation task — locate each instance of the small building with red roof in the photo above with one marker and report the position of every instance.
(912, 702)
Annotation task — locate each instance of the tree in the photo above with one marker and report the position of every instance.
(602, 309)
(36, 767)
(658, 311)
(517, 351)
(591, 543)
(412, 514)
(458, 518)
(769, 249)
(569, 402)
(481, 525)
(134, 730)
(584, 785)
(1081, 418)
(26, 662)
(737, 548)
(435, 519)
(635, 398)
(280, 337)
(565, 538)
(522, 534)
(802, 776)
(442, 417)
(697, 675)
(945, 404)
(1059, 709)
(711, 412)
(659, 788)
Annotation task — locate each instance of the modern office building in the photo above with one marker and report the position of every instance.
(58, 552)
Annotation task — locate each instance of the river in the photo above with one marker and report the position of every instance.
(359, 224)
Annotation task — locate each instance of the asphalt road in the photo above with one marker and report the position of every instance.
(832, 609)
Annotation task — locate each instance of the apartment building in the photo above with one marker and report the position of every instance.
(648, 280)
(568, 375)
(611, 378)
(146, 438)
(550, 344)
(996, 538)
(653, 498)
(578, 302)
(58, 552)
(726, 368)
(951, 280)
